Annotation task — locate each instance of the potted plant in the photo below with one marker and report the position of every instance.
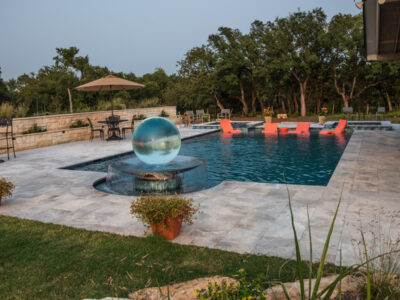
(164, 214)
(6, 188)
(322, 115)
(268, 115)
(163, 114)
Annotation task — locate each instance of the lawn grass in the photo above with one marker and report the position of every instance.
(46, 261)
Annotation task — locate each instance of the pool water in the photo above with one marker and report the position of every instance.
(254, 157)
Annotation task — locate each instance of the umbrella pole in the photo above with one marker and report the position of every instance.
(112, 104)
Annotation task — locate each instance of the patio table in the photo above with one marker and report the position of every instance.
(114, 123)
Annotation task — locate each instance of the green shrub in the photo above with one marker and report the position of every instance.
(6, 110)
(243, 290)
(6, 188)
(21, 111)
(148, 102)
(78, 124)
(164, 114)
(393, 114)
(252, 114)
(119, 103)
(337, 117)
(106, 104)
(156, 209)
(35, 129)
(103, 105)
(381, 279)
(140, 117)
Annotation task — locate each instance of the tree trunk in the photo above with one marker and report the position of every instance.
(242, 99)
(345, 100)
(70, 100)
(303, 107)
(303, 90)
(296, 103)
(219, 104)
(260, 101)
(342, 92)
(283, 105)
(388, 101)
(289, 104)
(253, 101)
(318, 105)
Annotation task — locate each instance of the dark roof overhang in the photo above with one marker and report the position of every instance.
(382, 29)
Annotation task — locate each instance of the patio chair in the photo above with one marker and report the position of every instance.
(189, 117)
(199, 114)
(93, 129)
(6, 132)
(301, 128)
(380, 112)
(224, 114)
(270, 128)
(338, 130)
(227, 127)
(348, 111)
(132, 127)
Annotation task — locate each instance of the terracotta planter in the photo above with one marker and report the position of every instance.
(268, 119)
(171, 229)
(322, 120)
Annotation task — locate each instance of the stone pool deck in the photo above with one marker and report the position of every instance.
(236, 216)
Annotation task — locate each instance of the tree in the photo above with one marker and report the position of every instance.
(231, 61)
(386, 74)
(347, 60)
(4, 94)
(199, 68)
(297, 45)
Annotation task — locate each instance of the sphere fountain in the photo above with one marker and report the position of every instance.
(157, 168)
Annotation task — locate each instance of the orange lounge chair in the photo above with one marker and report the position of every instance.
(339, 128)
(302, 128)
(227, 127)
(270, 128)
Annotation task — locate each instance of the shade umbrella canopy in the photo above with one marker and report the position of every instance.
(109, 83)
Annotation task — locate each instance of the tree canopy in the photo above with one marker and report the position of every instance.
(295, 64)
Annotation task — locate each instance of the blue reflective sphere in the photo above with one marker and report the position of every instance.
(156, 141)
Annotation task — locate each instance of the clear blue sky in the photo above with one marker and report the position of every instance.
(129, 35)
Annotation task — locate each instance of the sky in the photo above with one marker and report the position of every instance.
(129, 35)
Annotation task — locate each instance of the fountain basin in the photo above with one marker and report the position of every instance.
(184, 174)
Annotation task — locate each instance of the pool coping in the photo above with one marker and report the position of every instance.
(253, 124)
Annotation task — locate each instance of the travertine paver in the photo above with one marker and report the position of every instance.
(236, 216)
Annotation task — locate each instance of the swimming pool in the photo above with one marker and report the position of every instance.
(254, 157)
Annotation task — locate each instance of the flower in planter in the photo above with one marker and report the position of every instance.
(6, 188)
(323, 111)
(268, 112)
(164, 213)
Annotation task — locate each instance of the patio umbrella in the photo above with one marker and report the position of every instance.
(109, 83)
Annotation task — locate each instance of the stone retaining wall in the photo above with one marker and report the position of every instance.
(58, 130)
(56, 122)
